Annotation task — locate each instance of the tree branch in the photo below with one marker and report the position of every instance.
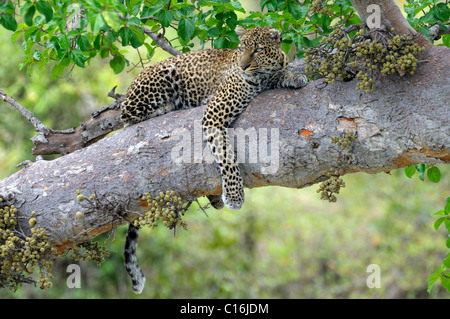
(38, 125)
(159, 40)
(404, 122)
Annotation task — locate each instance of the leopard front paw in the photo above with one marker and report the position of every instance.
(299, 81)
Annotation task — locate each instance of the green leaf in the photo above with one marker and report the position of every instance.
(134, 21)
(447, 206)
(117, 63)
(221, 43)
(297, 11)
(447, 224)
(112, 19)
(76, 55)
(7, 7)
(8, 22)
(410, 171)
(151, 11)
(445, 281)
(186, 28)
(447, 242)
(150, 50)
(125, 34)
(446, 40)
(15, 35)
(104, 53)
(29, 14)
(432, 279)
(111, 37)
(213, 33)
(441, 11)
(439, 212)
(438, 223)
(83, 43)
(434, 174)
(57, 70)
(429, 18)
(98, 23)
(421, 169)
(46, 9)
(64, 42)
(165, 17)
(29, 32)
(37, 55)
(135, 43)
(447, 261)
(138, 34)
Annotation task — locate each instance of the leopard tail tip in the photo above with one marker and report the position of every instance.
(139, 286)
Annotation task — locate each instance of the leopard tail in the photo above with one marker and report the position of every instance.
(131, 264)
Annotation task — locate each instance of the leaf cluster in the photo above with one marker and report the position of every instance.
(421, 14)
(442, 272)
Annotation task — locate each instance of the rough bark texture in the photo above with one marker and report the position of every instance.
(405, 121)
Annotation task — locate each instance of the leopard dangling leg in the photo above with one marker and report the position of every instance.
(131, 264)
(232, 184)
(222, 109)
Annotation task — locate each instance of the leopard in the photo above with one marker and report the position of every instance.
(224, 81)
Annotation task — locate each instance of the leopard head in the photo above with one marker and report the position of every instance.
(260, 50)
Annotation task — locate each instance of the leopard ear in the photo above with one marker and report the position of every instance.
(240, 31)
(275, 35)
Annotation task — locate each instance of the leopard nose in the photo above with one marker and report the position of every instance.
(244, 66)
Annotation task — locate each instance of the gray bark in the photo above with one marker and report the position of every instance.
(405, 121)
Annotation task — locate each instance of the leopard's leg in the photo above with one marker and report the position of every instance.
(232, 184)
(156, 91)
(229, 100)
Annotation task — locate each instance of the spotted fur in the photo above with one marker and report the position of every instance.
(226, 81)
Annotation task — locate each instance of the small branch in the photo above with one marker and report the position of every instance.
(436, 31)
(39, 126)
(50, 141)
(161, 42)
(113, 94)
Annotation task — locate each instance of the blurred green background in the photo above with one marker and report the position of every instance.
(284, 243)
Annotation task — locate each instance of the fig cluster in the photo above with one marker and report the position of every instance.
(318, 6)
(345, 141)
(340, 57)
(21, 254)
(331, 186)
(89, 251)
(166, 208)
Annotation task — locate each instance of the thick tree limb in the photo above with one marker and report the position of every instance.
(405, 121)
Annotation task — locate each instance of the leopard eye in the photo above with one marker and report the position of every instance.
(240, 48)
(258, 49)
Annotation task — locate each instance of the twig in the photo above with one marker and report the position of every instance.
(160, 42)
(113, 93)
(39, 126)
(155, 37)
